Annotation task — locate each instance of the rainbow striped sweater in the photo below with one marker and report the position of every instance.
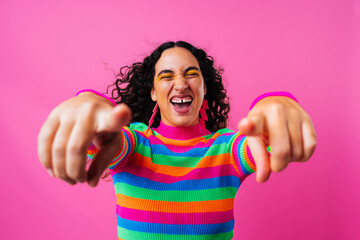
(178, 183)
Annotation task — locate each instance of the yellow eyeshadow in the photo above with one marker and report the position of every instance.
(192, 72)
(166, 75)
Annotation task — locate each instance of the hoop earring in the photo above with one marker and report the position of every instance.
(152, 117)
(203, 115)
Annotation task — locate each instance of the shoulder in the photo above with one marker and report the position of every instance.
(138, 126)
(224, 135)
(223, 131)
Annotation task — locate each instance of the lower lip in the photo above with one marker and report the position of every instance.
(181, 110)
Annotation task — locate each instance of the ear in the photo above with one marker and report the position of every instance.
(204, 89)
(153, 95)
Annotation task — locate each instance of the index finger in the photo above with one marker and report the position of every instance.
(253, 125)
(260, 154)
(114, 120)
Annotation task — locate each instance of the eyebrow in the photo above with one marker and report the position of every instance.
(191, 68)
(170, 71)
(165, 71)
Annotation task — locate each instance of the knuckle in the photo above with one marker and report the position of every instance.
(75, 174)
(44, 158)
(60, 174)
(77, 149)
(297, 155)
(282, 153)
(45, 161)
(59, 150)
(294, 113)
(311, 147)
(279, 165)
(44, 135)
(88, 109)
(277, 108)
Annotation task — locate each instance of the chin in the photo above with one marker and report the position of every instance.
(185, 122)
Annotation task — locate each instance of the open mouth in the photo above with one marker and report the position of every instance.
(181, 104)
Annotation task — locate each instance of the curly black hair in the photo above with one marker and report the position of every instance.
(134, 83)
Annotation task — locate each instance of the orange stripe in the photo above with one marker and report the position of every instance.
(186, 143)
(233, 159)
(175, 207)
(247, 159)
(208, 161)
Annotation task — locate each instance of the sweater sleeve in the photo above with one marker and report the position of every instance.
(241, 156)
(129, 141)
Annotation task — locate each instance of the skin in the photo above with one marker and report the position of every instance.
(177, 73)
(281, 123)
(88, 118)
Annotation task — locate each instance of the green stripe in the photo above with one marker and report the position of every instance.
(139, 126)
(133, 235)
(207, 137)
(217, 149)
(268, 149)
(224, 130)
(175, 161)
(187, 161)
(144, 150)
(176, 196)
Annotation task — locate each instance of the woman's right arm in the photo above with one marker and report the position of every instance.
(71, 128)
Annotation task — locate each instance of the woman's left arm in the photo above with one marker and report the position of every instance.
(278, 121)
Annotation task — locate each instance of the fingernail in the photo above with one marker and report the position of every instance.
(50, 172)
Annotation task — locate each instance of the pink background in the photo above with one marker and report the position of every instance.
(50, 50)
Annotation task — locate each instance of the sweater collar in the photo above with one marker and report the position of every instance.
(181, 133)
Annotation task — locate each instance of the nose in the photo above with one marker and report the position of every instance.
(180, 84)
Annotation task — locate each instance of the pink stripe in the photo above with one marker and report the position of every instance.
(273, 94)
(97, 93)
(174, 218)
(236, 156)
(180, 149)
(199, 173)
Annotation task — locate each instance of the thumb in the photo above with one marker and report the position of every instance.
(121, 116)
(115, 119)
(252, 125)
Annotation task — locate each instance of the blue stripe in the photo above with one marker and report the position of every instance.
(176, 229)
(224, 138)
(194, 152)
(163, 150)
(142, 139)
(186, 185)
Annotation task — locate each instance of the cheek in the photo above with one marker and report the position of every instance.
(162, 89)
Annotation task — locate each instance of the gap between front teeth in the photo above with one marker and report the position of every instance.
(180, 101)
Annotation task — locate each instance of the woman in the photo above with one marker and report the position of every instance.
(177, 178)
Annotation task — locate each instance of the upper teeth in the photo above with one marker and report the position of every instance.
(185, 100)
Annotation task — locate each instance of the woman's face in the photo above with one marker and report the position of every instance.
(179, 87)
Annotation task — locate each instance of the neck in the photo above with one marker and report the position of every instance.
(181, 133)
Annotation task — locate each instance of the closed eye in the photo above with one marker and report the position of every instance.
(192, 73)
(165, 76)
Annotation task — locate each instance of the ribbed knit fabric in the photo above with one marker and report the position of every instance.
(178, 183)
